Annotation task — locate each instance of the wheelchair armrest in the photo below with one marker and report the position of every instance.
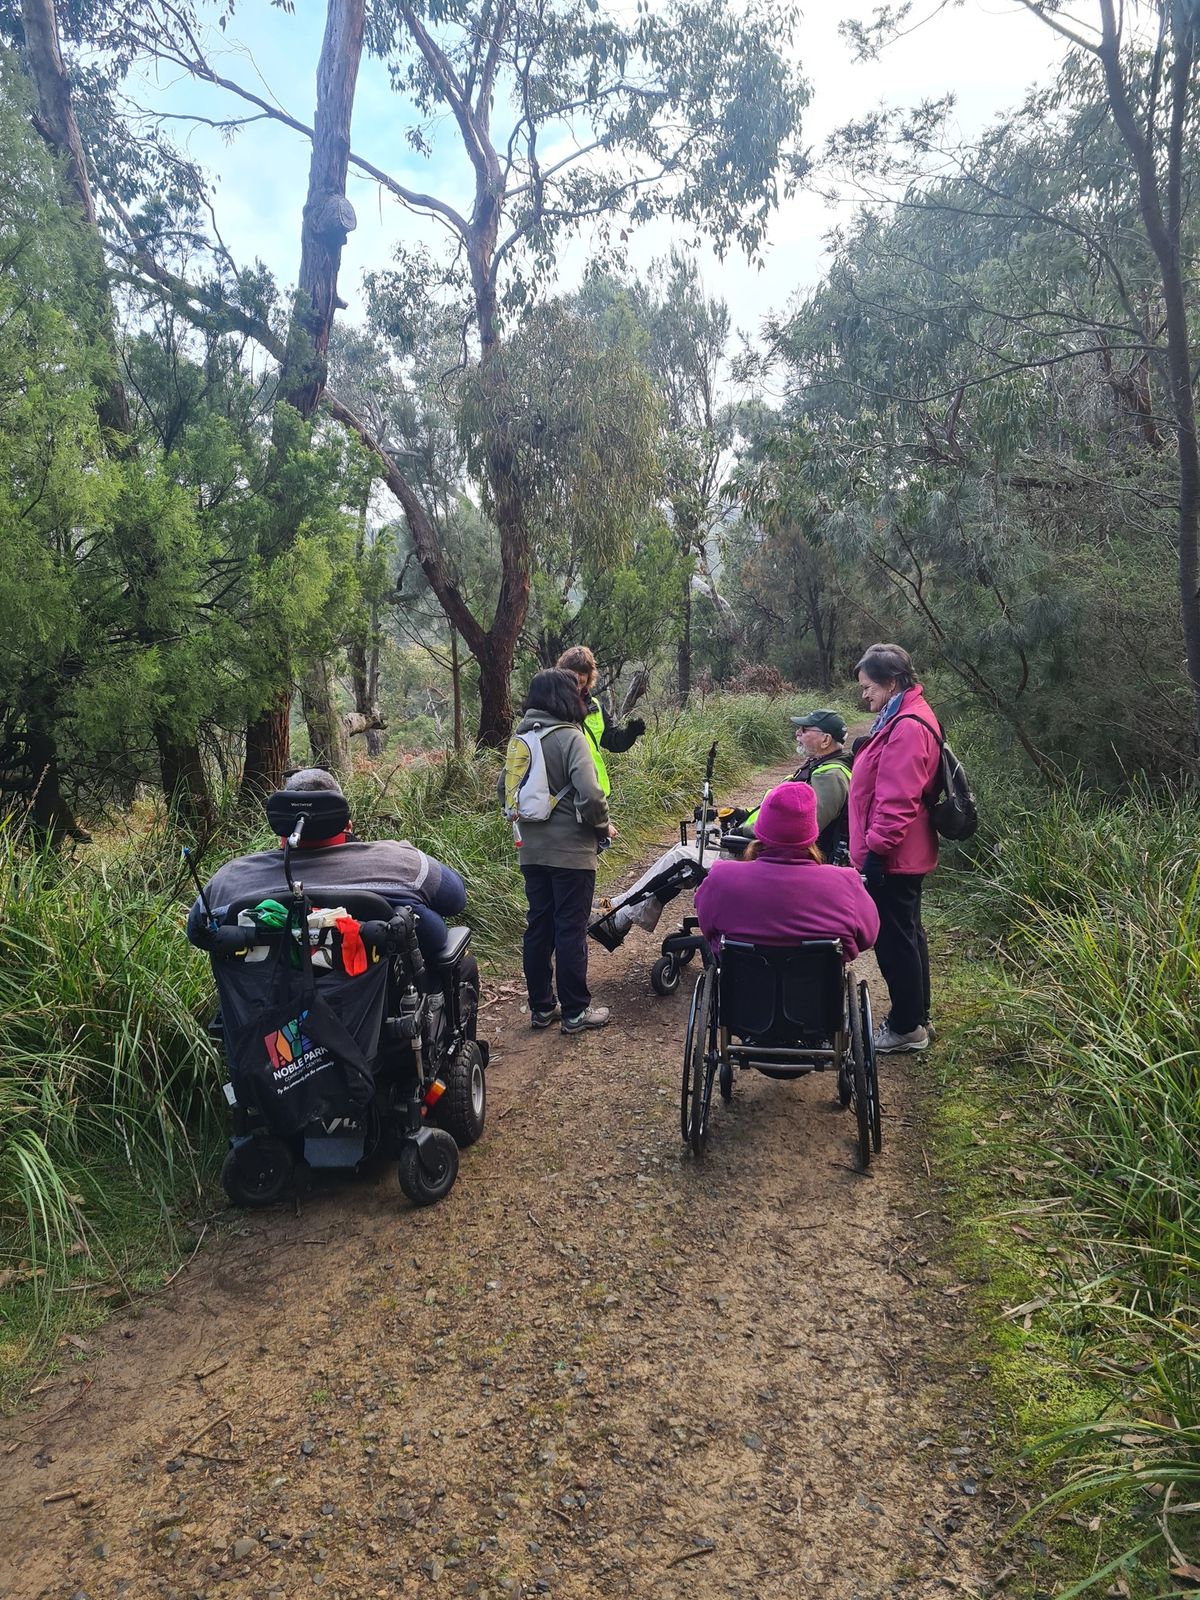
(675, 944)
(455, 947)
(234, 941)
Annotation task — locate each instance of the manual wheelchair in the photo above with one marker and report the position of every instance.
(784, 1011)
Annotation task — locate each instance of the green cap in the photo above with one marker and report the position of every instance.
(830, 722)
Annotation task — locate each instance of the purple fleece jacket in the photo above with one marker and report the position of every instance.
(781, 898)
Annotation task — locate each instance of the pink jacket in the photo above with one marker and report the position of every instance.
(893, 772)
(781, 898)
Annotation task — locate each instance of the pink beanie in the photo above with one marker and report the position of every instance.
(788, 816)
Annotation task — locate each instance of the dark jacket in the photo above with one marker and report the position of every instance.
(395, 869)
(829, 778)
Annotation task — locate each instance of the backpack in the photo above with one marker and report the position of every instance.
(527, 796)
(951, 803)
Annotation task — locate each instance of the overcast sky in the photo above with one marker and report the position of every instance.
(986, 53)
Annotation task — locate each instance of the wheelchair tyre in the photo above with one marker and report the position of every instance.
(665, 975)
(686, 956)
(868, 1023)
(697, 1019)
(425, 1185)
(858, 1067)
(462, 1110)
(725, 1080)
(704, 1060)
(257, 1173)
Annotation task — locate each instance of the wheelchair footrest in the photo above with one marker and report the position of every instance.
(334, 1149)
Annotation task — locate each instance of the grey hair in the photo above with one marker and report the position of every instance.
(313, 778)
(884, 662)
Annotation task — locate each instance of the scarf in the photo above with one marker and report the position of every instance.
(888, 712)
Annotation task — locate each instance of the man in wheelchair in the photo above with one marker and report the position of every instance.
(348, 1007)
(775, 994)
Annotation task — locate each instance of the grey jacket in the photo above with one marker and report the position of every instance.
(568, 837)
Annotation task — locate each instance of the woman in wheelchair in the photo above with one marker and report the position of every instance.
(782, 892)
(776, 998)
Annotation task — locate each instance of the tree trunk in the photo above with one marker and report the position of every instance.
(181, 769)
(50, 816)
(57, 125)
(1163, 229)
(685, 643)
(495, 700)
(329, 743)
(327, 221)
(268, 745)
(456, 690)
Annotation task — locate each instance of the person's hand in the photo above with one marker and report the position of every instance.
(612, 831)
(873, 870)
(637, 727)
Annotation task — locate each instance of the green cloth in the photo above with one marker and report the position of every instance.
(593, 726)
(270, 914)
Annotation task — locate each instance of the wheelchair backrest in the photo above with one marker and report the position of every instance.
(780, 992)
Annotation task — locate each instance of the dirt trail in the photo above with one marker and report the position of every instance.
(599, 1368)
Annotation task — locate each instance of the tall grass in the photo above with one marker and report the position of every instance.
(110, 1107)
(1097, 908)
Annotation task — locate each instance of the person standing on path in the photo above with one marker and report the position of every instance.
(893, 841)
(601, 734)
(558, 858)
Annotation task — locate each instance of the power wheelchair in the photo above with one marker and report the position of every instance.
(343, 1043)
(784, 1011)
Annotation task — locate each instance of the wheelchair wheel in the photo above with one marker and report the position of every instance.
(864, 995)
(858, 1065)
(257, 1172)
(665, 975)
(427, 1175)
(697, 1016)
(462, 1110)
(725, 1081)
(686, 956)
(703, 1059)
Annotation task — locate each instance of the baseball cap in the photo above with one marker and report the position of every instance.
(830, 722)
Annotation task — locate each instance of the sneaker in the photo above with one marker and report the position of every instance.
(930, 1030)
(888, 1042)
(593, 1017)
(543, 1019)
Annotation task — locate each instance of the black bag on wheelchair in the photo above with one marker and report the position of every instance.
(295, 1055)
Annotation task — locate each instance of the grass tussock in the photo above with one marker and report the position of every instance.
(1095, 906)
(110, 1103)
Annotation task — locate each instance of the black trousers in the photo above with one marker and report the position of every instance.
(902, 951)
(560, 903)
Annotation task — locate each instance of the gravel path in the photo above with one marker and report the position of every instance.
(599, 1368)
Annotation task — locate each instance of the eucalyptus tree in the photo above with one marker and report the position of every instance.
(1131, 73)
(562, 117)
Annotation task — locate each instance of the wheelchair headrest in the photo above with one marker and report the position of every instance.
(324, 812)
